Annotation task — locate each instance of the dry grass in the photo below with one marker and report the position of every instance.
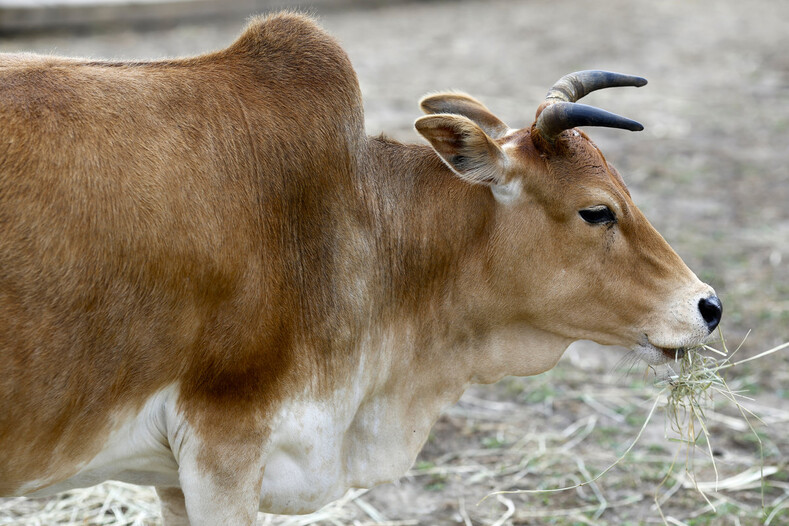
(688, 397)
(119, 504)
(690, 392)
(113, 503)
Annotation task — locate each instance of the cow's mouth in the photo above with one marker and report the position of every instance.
(672, 354)
(656, 355)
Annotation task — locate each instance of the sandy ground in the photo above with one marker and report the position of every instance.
(709, 171)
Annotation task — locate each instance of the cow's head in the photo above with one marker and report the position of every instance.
(571, 253)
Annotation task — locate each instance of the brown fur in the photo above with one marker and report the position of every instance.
(161, 221)
(222, 222)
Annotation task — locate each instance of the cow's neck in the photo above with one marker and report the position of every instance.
(433, 233)
(434, 332)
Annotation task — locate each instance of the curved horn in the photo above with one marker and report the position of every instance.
(573, 86)
(560, 111)
(561, 116)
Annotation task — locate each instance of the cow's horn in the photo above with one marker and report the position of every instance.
(560, 112)
(572, 87)
(561, 116)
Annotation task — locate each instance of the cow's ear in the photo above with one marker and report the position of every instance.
(465, 148)
(461, 104)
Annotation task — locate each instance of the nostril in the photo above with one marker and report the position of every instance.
(711, 311)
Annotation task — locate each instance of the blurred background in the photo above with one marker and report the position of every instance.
(709, 171)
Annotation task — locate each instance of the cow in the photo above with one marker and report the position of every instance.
(214, 282)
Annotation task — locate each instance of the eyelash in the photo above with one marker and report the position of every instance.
(598, 215)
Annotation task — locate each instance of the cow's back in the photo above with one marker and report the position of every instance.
(147, 219)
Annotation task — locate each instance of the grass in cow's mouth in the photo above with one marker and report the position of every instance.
(687, 392)
(694, 379)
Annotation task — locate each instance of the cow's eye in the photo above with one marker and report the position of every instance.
(597, 215)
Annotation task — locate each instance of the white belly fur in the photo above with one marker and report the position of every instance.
(137, 451)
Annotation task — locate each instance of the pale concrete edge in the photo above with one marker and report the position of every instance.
(63, 14)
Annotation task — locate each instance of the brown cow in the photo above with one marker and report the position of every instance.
(212, 281)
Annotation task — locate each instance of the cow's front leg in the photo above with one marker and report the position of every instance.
(221, 471)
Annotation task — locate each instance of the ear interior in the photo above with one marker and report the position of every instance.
(464, 147)
(461, 104)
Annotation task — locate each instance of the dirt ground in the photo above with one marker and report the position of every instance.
(709, 170)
